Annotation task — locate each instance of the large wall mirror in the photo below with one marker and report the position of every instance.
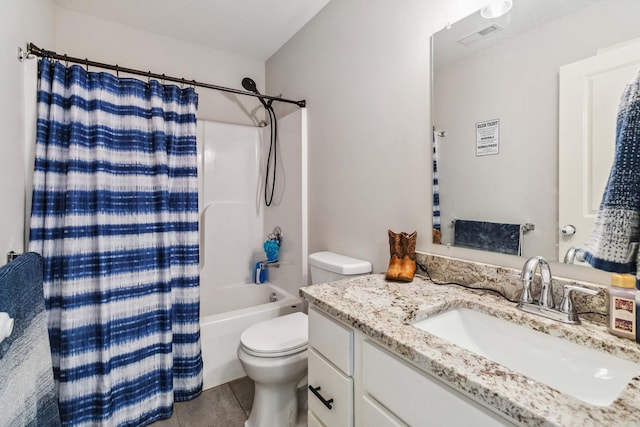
(524, 114)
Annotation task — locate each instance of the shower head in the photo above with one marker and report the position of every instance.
(250, 85)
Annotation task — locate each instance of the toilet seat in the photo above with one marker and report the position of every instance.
(277, 337)
(266, 355)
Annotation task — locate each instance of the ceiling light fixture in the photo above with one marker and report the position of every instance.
(496, 8)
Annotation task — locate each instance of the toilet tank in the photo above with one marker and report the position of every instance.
(329, 267)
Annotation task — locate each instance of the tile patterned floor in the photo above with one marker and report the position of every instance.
(227, 405)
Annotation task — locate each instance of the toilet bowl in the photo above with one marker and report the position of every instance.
(273, 354)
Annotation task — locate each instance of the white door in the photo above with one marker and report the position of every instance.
(590, 92)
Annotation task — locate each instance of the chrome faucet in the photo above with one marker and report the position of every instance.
(565, 312)
(528, 272)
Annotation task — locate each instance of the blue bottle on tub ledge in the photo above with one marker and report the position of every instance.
(260, 273)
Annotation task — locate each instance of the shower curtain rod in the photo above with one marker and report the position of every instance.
(32, 49)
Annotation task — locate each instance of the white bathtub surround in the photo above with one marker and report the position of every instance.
(228, 312)
(231, 228)
(233, 218)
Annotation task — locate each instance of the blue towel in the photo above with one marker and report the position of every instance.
(613, 245)
(27, 390)
(488, 236)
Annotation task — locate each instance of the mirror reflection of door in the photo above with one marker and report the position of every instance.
(590, 93)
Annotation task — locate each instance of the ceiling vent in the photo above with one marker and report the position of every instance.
(480, 34)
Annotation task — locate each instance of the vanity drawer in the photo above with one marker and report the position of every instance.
(313, 421)
(332, 384)
(415, 397)
(375, 415)
(333, 340)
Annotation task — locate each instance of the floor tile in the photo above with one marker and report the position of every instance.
(216, 407)
(243, 388)
(169, 422)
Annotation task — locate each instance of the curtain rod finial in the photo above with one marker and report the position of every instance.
(24, 54)
(21, 54)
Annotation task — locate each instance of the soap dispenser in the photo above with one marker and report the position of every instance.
(622, 305)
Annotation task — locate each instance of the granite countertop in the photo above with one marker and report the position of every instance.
(384, 310)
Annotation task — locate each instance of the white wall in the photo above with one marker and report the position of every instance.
(82, 35)
(21, 21)
(363, 67)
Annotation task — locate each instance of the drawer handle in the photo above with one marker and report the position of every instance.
(316, 391)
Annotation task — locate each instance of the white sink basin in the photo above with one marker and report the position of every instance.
(592, 376)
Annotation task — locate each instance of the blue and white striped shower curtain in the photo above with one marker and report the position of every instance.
(115, 217)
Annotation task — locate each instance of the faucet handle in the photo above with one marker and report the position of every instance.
(525, 295)
(566, 305)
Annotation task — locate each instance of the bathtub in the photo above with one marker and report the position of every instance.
(224, 314)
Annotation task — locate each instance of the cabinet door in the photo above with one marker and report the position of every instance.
(417, 398)
(330, 385)
(375, 415)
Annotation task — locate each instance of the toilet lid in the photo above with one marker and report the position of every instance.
(280, 335)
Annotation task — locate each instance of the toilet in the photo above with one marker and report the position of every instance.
(273, 353)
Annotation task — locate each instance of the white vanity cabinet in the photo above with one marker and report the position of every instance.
(372, 387)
